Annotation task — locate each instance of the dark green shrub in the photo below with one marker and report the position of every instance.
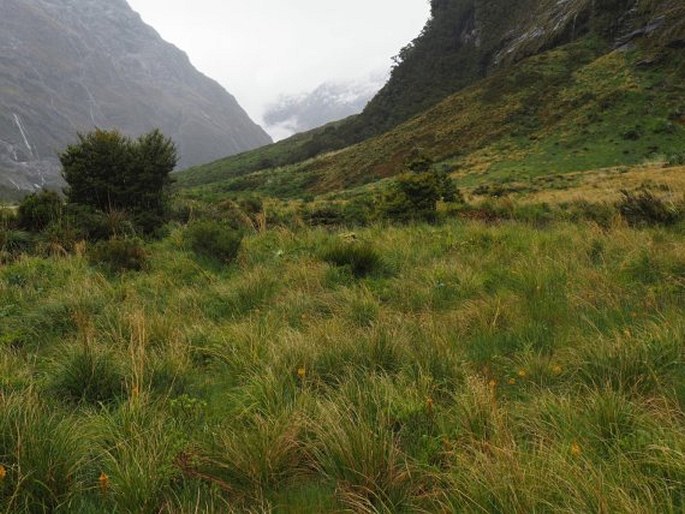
(210, 239)
(86, 222)
(86, 376)
(119, 254)
(360, 257)
(414, 196)
(644, 208)
(38, 210)
(109, 171)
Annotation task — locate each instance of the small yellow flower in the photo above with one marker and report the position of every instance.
(522, 373)
(103, 482)
(576, 450)
(556, 369)
(3, 472)
(301, 372)
(512, 381)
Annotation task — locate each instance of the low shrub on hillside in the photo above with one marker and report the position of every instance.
(86, 222)
(414, 196)
(357, 212)
(38, 210)
(644, 208)
(213, 240)
(119, 254)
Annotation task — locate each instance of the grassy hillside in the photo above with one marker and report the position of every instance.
(465, 366)
(570, 109)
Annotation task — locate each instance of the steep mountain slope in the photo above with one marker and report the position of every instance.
(71, 65)
(580, 85)
(468, 40)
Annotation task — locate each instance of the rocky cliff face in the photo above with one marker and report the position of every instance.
(72, 65)
(467, 40)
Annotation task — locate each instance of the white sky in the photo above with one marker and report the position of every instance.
(260, 49)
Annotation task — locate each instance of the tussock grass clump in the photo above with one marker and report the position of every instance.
(13, 243)
(119, 254)
(645, 208)
(213, 240)
(138, 447)
(42, 453)
(260, 454)
(358, 449)
(360, 257)
(86, 375)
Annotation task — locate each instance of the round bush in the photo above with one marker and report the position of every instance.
(38, 210)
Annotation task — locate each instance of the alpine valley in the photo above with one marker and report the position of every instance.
(467, 298)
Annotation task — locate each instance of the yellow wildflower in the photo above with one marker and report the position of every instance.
(301, 372)
(556, 369)
(429, 405)
(522, 373)
(576, 450)
(103, 481)
(512, 381)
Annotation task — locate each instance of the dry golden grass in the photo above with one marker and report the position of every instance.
(606, 184)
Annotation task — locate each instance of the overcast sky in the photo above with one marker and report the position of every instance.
(260, 49)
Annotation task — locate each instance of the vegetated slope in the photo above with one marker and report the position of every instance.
(466, 41)
(572, 108)
(73, 65)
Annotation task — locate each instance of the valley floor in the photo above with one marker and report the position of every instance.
(468, 367)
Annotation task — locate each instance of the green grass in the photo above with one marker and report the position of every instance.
(499, 367)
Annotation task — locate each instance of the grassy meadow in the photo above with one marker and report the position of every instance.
(520, 364)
